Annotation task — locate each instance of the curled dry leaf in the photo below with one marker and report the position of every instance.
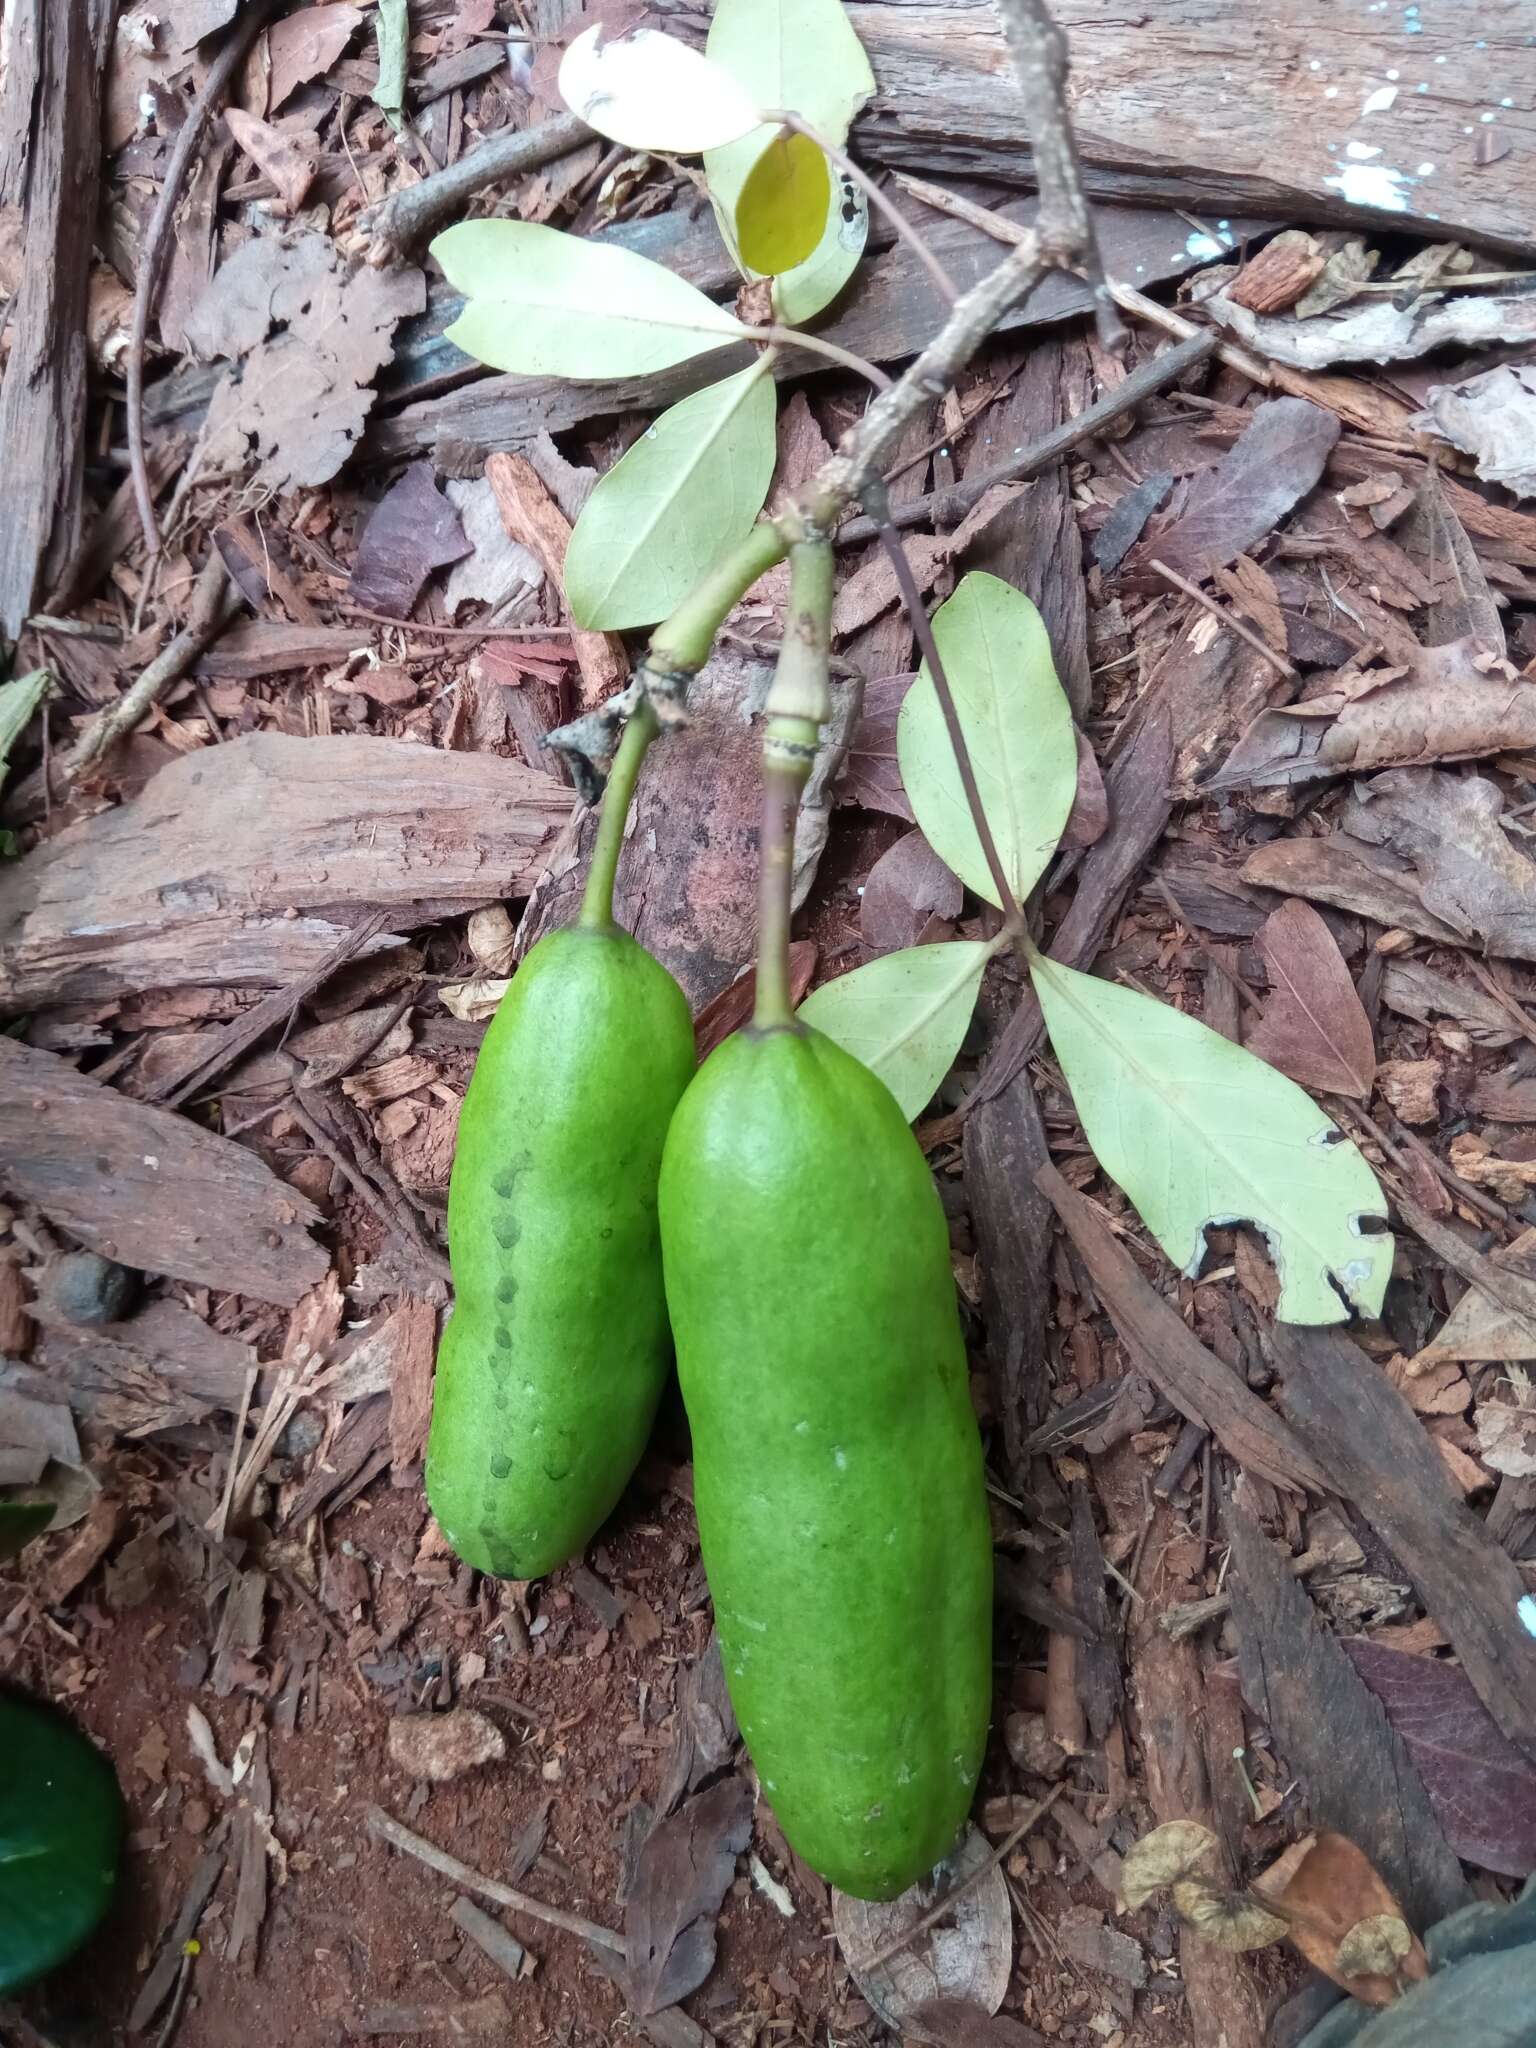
(1233, 1920)
(1326, 1888)
(967, 1955)
(1377, 1946)
(1161, 1859)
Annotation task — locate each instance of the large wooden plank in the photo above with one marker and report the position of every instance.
(1220, 105)
(246, 864)
(147, 1187)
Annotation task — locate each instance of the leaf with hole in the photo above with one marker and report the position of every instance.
(904, 1015)
(1018, 727)
(545, 304)
(1199, 1133)
(781, 212)
(61, 1830)
(684, 494)
(647, 90)
(800, 57)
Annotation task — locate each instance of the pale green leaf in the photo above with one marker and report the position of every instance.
(683, 495)
(781, 214)
(801, 293)
(394, 33)
(794, 56)
(1200, 1133)
(544, 304)
(18, 700)
(1018, 727)
(800, 57)
(649, 91)
(905, 1014)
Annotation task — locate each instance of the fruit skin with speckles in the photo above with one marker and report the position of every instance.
(557, 1351)
(837, 1464)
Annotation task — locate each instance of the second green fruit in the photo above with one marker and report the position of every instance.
(555, 1356)
(837, 1464)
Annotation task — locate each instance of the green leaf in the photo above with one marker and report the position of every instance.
(1199, 1133)
(796, 56)
(61, 1831)
(781, 214)
(20, 1521)
(800, 57)
(544, 304)
(683, 495)
(649, 91)
(394, 33)
(1017, 724)
(18, 700)
(905, 1014)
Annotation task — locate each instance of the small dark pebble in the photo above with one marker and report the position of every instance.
(84, 1287)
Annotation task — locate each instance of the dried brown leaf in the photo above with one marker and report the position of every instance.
(1161, 1859)
(304, 336)
(288, 160)
(907, 886)
(1314, 1027)
(871, 776)
(1275, 462)
(684, 1870)
(304, 45)
(968, 1955)
(410, 532)
(1492, 417)
(1325, 1887)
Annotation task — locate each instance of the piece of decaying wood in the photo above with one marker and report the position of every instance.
(890, 310)
(1181, 1761)
(944, 101)
(1164, 1347)
(1330, 1728)
(246, 864)
(162, 1366)
(410, 1394)
(531, 517)
(1376, 1453)
(148, 1188)
(50, 164)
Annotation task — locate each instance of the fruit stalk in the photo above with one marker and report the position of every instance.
(613, 819)
(799, 704)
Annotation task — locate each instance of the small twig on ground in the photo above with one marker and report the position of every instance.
(945, 1905)
(385, 1828)
(357, 611)
(397, 224)
(212, 598)
(247, 25)
(220, 1525)
(953, 503)
(1223, 617)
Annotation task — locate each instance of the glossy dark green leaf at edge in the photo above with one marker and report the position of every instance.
(20, 1521)
(61, 1831)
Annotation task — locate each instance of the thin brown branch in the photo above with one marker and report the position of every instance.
(211, 597)
(1225, 618)
(1068, 239)
(247, 26)
(952, 504)
(397, 224)
(386, 1828)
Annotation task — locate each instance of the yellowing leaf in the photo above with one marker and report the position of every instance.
(781, 213)
(1199, 1132)
(1233, 1920)
(544, 304)
(800, 57)
(1017, 724)
(1161, 1858)
(649, 91)
(904, 1015)
(687, 490)
(19, 698)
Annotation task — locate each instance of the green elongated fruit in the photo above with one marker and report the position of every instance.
(555, 1356)
(837, 1465)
